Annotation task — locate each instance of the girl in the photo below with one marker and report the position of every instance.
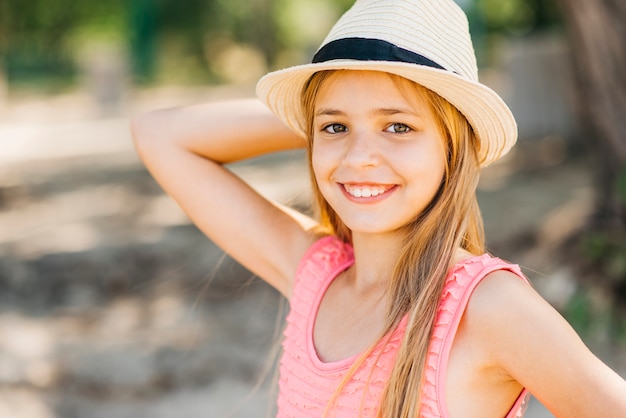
(396, 310)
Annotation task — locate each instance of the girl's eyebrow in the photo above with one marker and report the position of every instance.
(394, 111)
(328, 112)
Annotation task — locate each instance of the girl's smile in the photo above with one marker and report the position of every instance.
(366, 193)
(378, 155)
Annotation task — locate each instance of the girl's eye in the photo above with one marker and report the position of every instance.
(398, 128)
(335, 128)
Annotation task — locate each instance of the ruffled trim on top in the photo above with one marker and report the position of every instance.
(460, 283)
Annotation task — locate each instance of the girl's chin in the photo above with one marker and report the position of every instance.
(366, 229)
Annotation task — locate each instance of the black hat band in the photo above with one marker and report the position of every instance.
(365, 49)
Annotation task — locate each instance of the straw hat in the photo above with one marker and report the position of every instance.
(426, 41)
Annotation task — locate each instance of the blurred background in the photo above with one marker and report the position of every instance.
(113, 305)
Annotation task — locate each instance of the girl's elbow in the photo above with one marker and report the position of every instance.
(144, 133)
(138, 128)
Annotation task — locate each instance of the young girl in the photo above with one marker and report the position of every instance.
(396, 310)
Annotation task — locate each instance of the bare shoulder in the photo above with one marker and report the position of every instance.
(501, 302)
(498, 290)
(507, 311)
(528, 340)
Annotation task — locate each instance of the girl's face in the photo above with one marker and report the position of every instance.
(378, 155)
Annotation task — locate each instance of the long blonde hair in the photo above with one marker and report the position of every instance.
(451, 221)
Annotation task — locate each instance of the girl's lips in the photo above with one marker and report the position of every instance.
(367, 191)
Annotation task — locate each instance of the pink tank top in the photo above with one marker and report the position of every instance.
(307, 383)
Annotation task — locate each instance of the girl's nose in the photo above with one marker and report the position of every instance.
(361, 151)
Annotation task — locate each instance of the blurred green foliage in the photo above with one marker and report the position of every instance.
(518, 16)
(38, 39)
(607, 253)
(596, 318)
(605, 248)
(44, 42)
(621, 186)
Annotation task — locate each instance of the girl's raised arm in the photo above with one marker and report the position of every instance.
(185, 149)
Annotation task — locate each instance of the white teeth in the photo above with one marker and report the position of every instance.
(365, 191)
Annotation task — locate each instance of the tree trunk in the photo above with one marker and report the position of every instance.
(598, 49)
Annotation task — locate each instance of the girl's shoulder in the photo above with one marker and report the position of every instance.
(473, 269)
(329, 249)
(326, 255)
(489, 293)
(499, 285)
(484, 294)
(475, 287)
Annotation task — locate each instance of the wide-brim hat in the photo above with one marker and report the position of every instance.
(426, 41)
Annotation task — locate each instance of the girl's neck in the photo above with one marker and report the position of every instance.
(375, 258)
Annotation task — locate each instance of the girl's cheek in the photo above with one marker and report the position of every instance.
(317, 166)
(320, 158)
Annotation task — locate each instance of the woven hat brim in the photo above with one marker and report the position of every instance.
(490, 117)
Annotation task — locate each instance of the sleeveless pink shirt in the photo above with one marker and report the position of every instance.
(307, 383)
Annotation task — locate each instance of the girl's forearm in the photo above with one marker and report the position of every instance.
(223, 132)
